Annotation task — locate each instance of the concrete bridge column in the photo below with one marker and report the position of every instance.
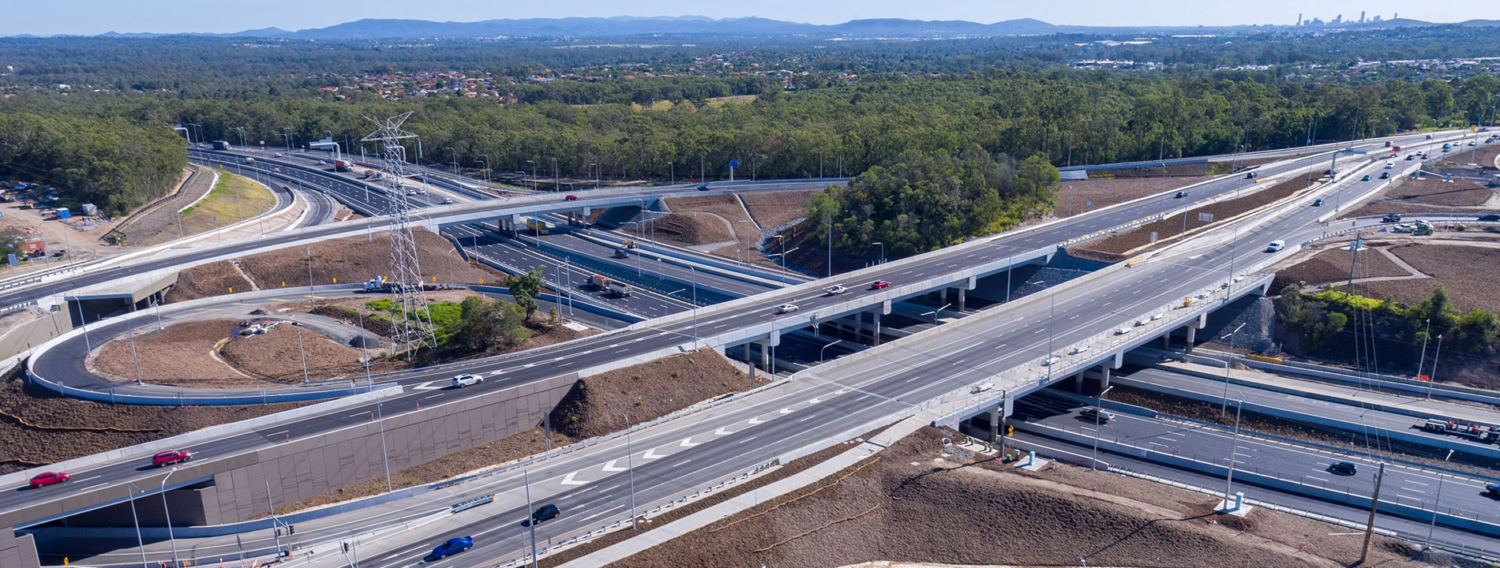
(859, 326)
(1166, 341)
(765, 354)
(994, 425)
(961, 299)
(1103, 376)
(1078, 382)
(876, 317)
(943, 296)
(1192, 335)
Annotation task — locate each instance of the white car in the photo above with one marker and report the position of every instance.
(466, 379)
(1125, 330)
(835, 290)
(278, 154)
(1051, 360)
(1389, 165)
(1275, 246)
(1079, 349)
(982, 387)
(786, 308)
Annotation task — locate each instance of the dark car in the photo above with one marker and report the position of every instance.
(878, 284)
(1344, 468)
(1318, 203)
(1385, 175)
(702, 187)
(544, 513)
(571, 198)
(1491, 217)
(1492, 490)
(453, 546)
(1366, 178)
(1391, 218)
(49, 478)
(169, 457)
(1180, 195)
(1250, 175)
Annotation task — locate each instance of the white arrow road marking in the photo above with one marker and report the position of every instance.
(723, 431)
(787, 410)
(651, 455)
(688, 442)
(756, 420)
(816, 400)
(569, 480)
(611, 466)
(426, 386)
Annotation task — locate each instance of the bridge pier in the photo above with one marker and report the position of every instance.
(1078, 382)
(859, 325)
(876, 339)
(961, 299)
(1192, 331)
(1103, 376)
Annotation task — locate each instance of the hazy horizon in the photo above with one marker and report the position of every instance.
(92, 17)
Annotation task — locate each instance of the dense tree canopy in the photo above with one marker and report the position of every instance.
(110, 162)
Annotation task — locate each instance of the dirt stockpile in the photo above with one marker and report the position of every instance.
(277, 355)
(885, 509)
(705, 220)
(496, 453)
(357, 259)
(210, 279)
(182, 355)
(1173, 226)
(1075, 197)
(645, 392)
(1453, 266)
(777, 208)
(54, 432)
(1332, 265)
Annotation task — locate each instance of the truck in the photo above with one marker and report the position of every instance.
(1477, 432)
(221, 145)
(613, 287)
(343, 166)
(35, 248)
(1422, 229)
(537, 226)
(383, 285)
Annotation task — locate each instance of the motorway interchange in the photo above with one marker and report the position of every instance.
(836, 399)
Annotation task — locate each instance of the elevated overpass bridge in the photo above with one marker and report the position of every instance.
(937, 362)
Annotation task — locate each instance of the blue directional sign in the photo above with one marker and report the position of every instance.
(734, 163)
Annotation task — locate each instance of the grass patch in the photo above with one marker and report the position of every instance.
(233, 199)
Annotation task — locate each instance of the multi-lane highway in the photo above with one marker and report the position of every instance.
(898, 375)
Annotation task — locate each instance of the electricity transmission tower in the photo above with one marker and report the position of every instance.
(412, 322)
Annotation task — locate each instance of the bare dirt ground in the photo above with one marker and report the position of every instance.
(707, 228)
(277, 355)
(1431, 195)
(1171, 227)
(775, 209)
(1332, 265)
(38, 426)
(161, 219)
(496, 453)
(884, 509)
(646, 392)
(1076, 196)
(354, 260)
(182, 355)
(206, 280)
(1453, 266)
(27, 224)
(1178, 170)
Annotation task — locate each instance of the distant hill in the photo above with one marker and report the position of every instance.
(699, 25)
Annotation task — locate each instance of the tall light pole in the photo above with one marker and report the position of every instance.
(1094, 463)
(1433, 526)
(1427, 334)
(1224, 407)
(882, 251)
(597, 174)
(1234, 446)
(453, 155)
(825, 348)
(533, 173)
(1433, 377)
(629, 464)
(486, 160)
(530, 515)
(140, 542)
(695, 305)
(168, 511)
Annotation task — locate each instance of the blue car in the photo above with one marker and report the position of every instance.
(453, 546)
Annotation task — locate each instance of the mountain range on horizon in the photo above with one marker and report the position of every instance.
(372, 28)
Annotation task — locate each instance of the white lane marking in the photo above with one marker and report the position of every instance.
(688, 442)
(611, 466)
(651, 455)
(681, 462)
(748, 439)
(433, 396)
(787, 410)
(755, 420)
(427, 386)
(1317, 479)
(568, 480)
(722, 431)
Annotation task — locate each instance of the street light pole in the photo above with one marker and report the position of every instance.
(1426, 335)
(168, 511)
(1234, 447)
(629, 464)
(825, 348)
(882, 251)
(1433, 377)
(140, 542)
(1433, 526)
(1224, 407)
(530, 515)
(1094, 463)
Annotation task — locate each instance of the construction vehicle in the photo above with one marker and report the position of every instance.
(383, 285)
(629, 244)
(537, 226)
(1422, 229)
(1478, 432)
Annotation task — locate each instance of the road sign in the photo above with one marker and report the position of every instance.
(11, 257)
(734, 163)
(1153, 237)
(1205, 217)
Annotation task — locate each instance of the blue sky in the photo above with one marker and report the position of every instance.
(45, 17)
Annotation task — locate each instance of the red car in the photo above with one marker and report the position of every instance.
(878, 284)
(49, 478)
(169, 457)
(571, 198)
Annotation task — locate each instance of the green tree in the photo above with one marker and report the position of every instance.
(525, 288)
(1477, 329)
